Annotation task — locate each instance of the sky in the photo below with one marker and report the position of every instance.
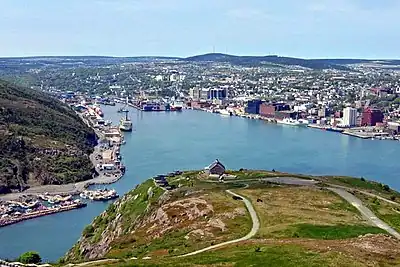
(297, 28)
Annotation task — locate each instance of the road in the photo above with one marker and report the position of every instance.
(252, 233)
(366, 193)
(366, 212)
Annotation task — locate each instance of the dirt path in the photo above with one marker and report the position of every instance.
(366, 212)
(253, 231)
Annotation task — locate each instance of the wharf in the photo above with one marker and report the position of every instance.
(36, 214)
(358, 134)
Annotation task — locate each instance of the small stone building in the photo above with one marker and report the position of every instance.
(215, 168)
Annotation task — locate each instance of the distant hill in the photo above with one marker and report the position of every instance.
(339, 64)
(42, 141)
(26, 63)
(260, 60)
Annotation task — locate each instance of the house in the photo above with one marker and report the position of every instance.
(215, 168)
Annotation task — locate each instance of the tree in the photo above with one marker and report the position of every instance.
(30, 257)
(386, 187)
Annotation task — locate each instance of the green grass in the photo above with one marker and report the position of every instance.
(251, 255)
(343, 205)
(259, 174)
(330, 232)
(361, 183)
(132, 210)
(387, 212)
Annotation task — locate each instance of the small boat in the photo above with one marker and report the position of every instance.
(121, 110)
(225, 112)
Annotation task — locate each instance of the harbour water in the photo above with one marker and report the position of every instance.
(162, 142)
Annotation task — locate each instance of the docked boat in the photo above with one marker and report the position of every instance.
(225, 112)
(125, 123)
(176, 106)
(292, 122)
(99, 195)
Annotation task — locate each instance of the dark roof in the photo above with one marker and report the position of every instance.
(215, 163)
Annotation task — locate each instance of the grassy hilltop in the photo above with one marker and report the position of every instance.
(302, 223)
(42, 141)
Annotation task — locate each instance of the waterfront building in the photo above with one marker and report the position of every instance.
(323, 112)
(217, 93)
(394, 126)
(195, 93)
(276, 109)
(371, 116)
(204, 93)
(349, 117)
(253, 106)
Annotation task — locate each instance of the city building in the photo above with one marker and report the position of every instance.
(253, 106)
(371, 116)
(204, 94)
(195, 93)
(217, 93)
(323, 112)
(349, 117)
(274, 110)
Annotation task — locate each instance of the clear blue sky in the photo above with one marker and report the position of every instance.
(301, 28)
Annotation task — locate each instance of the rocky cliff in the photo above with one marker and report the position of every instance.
(42, 141)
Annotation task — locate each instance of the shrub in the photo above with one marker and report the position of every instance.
(386, 187)
(88, 231)
(30, 257)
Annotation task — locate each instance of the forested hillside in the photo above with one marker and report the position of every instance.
(42, 141)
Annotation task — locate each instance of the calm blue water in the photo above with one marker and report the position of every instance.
(162, 142)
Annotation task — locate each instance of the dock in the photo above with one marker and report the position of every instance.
(4, 221)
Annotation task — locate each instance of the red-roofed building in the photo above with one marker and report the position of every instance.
(371, 116)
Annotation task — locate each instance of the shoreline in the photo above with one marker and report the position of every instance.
(71, 188)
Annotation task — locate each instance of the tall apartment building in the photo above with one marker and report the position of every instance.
(349, 117)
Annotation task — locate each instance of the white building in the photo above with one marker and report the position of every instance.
(349, 117)
(195, 93)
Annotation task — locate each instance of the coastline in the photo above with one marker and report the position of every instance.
(71, 188)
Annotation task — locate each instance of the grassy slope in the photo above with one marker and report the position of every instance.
(31, 122)
(387, 212)
(289, 214)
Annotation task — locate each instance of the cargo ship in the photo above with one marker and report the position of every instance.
(150, 106)
(125, 123)
(293, 122)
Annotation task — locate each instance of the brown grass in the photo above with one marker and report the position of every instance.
(282, 207)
